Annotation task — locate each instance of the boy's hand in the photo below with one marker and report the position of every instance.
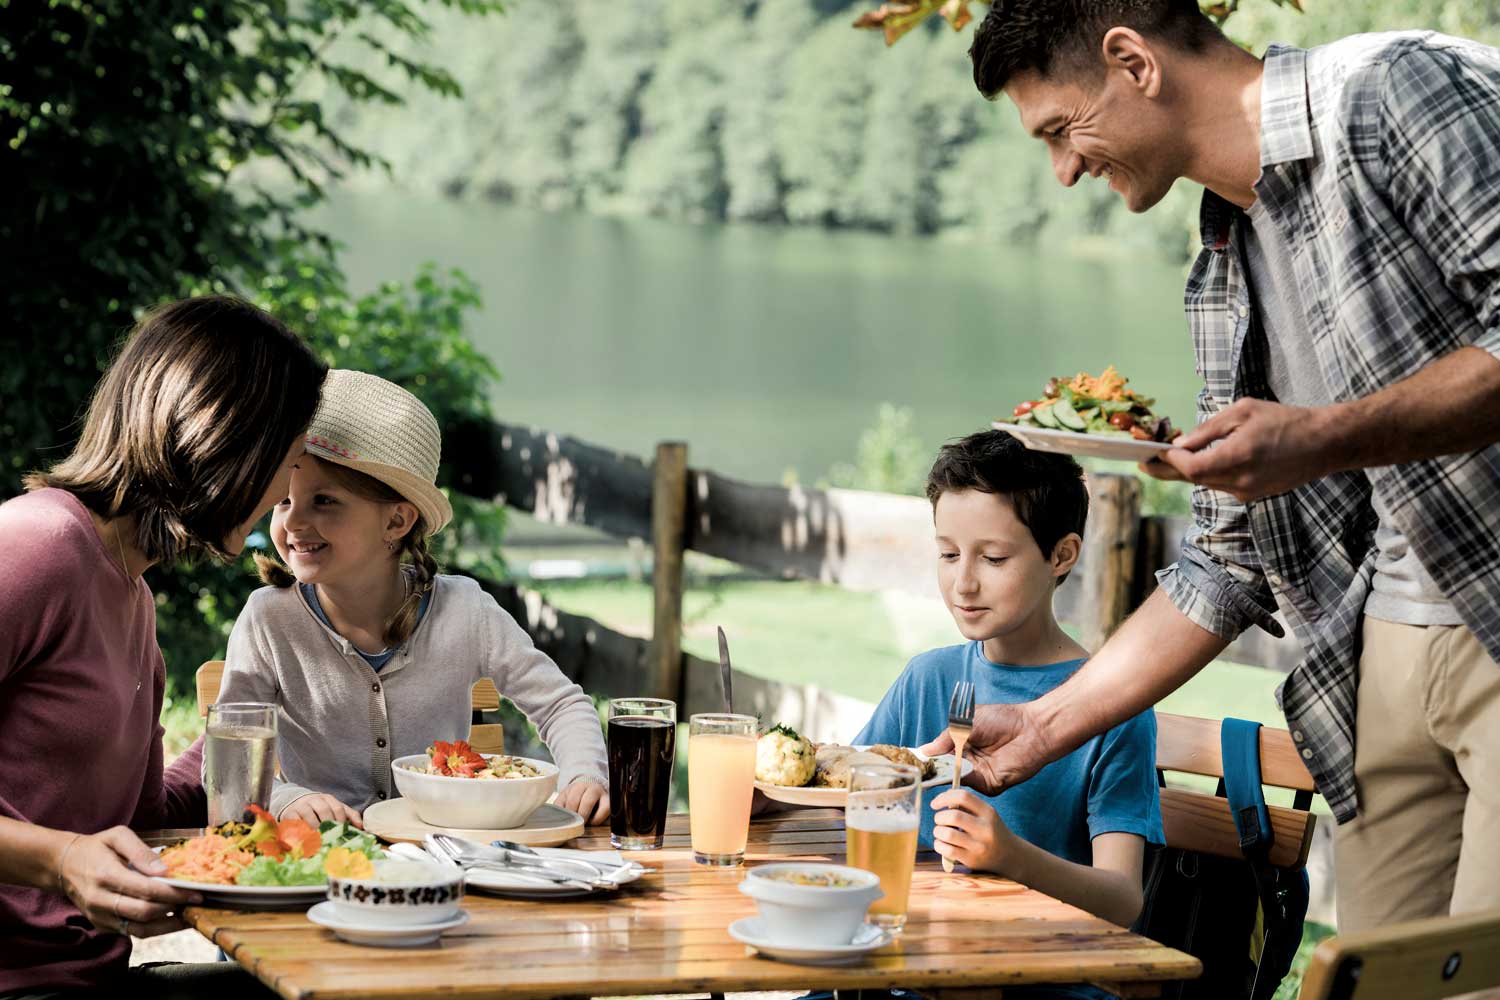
(588, 799)
(970, 832)
(315, 808)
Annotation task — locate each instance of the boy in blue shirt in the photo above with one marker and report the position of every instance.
(1009, 525)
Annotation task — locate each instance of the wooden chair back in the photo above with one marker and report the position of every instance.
(486, 737)
(1418, 960)
(1197, 821)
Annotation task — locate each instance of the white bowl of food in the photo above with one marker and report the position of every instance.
(399, 892)
(817, 904)
(501, 796)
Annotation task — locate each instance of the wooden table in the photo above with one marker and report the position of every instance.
(667, 934)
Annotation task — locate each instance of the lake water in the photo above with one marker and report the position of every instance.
(768, 348)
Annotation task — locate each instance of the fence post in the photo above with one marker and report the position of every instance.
(1109, 545)
(668, 533)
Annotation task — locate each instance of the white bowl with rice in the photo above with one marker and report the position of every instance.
(484, 803)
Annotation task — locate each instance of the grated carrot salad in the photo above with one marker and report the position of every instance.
(209, 858)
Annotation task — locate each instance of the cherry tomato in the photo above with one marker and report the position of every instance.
(1124, 421)
(1023, 409)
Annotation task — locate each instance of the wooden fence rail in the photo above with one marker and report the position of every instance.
(851, 538)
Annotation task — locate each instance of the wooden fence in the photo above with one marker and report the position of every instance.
(850, 538)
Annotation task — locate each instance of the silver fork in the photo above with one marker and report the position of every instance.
(960, 726)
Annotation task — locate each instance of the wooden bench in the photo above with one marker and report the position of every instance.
(486, 737)
(1198, 821)
(1417, 960)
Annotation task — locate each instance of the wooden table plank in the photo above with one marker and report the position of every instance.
(667, 933)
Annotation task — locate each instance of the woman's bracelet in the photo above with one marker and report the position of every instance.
(61, 886)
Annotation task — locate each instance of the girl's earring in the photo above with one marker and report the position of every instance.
(390, 545)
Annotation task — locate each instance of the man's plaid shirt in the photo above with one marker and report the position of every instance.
(1380, 158)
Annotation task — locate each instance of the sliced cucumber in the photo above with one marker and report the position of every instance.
(1067, 417)
(1044, 416)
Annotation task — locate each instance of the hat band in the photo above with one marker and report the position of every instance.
(337, 449)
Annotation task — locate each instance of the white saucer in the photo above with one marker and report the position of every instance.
(751, 931)
(383, 935)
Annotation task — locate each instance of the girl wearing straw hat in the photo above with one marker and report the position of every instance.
(368, 651)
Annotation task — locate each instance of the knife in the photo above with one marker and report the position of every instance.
(724, 672)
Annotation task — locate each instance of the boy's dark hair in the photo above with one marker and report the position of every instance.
(1041, 35)
(1046, 490)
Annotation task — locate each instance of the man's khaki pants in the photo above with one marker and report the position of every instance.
(1427, 765)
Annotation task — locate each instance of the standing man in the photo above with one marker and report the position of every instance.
(1345, 313)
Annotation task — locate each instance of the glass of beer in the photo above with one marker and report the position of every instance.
(721, 781)
(239, 758)
(880, 821)
(642, 744)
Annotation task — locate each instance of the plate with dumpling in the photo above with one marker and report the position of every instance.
(790, 768)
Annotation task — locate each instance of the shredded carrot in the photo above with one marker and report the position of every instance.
(210, 858)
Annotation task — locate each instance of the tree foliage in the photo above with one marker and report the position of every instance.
(154, 148)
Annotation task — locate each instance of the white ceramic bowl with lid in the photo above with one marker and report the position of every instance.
(810, 902)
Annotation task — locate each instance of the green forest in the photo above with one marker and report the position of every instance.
(777, 111)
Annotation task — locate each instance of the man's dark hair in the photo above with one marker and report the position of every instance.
(1046, 490)
(1042, 35)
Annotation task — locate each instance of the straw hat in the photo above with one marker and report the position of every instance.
(378, 428)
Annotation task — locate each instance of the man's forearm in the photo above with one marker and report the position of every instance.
(1450, 407)
(1152, 654)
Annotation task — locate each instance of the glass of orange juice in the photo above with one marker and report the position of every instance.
(721, 781)
(880, 822)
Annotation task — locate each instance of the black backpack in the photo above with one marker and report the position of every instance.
(1241, 917)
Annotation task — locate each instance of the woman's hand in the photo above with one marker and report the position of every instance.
(95, 871)
(319, 806)
(969, 831)
(588, 799)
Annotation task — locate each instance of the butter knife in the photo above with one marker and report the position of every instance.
(724, 672)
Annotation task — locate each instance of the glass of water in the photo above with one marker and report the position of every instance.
(239, 758)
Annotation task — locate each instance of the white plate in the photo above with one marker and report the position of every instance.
(1090, 445)
(518, 886)
(383, 935)
(752, 931)
(251, 897)
(835, 798)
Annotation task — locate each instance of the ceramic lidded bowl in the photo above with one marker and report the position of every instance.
(400, 892)
(473, 803)
(811, 903)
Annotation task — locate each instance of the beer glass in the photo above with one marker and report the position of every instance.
(721, 781)
(880, 822)
(239, 758)
(642, 737)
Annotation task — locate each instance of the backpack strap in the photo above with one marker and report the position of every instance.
(1239, 743)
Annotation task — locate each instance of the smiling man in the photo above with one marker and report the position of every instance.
(1345, 313)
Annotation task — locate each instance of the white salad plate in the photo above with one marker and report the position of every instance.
(1122, 449)
(257, 897)
(836, 798)
(383, 935)
(518, 885)
(752, 931)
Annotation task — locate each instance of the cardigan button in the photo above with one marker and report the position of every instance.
(380, 795)
(375, 688)
(380, 743)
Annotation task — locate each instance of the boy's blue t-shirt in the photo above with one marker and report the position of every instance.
(1108, 785)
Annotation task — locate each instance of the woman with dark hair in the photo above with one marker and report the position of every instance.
(189, 439)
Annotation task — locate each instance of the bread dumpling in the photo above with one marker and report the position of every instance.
(783, 757)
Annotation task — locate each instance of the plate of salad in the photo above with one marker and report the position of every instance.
(1097, 416)
(265, 864)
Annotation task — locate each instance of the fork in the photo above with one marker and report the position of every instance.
(960, 725)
